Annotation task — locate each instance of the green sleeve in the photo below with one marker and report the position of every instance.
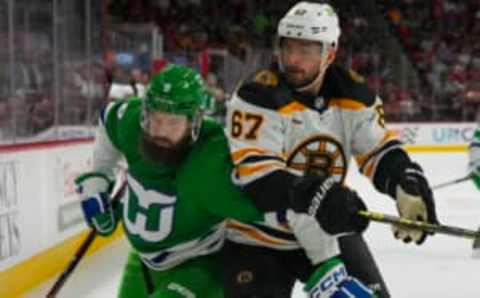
(212, 175)
(120, 119)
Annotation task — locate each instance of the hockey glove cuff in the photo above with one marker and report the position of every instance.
(335, 207)
(94, 189)
(332, 280)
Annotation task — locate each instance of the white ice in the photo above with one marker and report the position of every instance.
(441, 268)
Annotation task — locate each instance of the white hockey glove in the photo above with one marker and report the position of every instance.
(331, 280)
(94, 189)
(414, 201)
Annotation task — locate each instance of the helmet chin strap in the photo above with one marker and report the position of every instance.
(196, 125)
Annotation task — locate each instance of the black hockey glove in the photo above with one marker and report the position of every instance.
(335, 207)
(414, 201)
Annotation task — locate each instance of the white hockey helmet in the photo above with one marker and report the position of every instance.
(311, 21)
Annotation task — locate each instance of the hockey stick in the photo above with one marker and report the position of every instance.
(148, 278)
(79, 254)
(445, 184)
(476, 247)
(420, 225)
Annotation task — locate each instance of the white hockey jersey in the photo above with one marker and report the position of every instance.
(272, 128)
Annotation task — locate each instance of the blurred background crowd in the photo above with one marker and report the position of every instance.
(61, 57)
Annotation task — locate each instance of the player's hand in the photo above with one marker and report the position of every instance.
(94, 189)
(414, 201)
(331, 279)
(335, 207)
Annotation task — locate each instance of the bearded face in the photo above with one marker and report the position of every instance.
(301, 61)
(166, 138)
(164, 151)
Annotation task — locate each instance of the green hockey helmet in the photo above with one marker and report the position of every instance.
(177, 90)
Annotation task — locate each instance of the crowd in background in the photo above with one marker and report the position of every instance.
(438, 79)
(440, 37)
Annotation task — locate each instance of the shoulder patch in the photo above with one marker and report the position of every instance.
(266, 89)
(266, 78)
(348, 85)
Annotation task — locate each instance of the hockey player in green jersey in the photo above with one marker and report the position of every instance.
(474, 172)
(179, 187)
(474, 158)
(179, 195)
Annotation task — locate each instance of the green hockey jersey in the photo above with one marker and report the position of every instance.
(171, 214)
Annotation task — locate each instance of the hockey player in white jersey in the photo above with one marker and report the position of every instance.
(293, 129)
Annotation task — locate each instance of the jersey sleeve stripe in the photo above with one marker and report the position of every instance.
(245, 174)
(249, 170)
(275, 232)
(292, 107)
(369, 168)
(346, 104)
(258, 158)
(256, 235)
(368, 163)
(244, 153)
(364, 158)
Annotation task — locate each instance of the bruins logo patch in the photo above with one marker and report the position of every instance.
(321, 156)
(267, 78)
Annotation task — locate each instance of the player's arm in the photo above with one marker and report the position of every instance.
(105, 154)
(227, 201)
(382, 159)
(210, 170)
(94, 186)
(256, 136)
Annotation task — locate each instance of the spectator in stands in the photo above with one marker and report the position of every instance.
(5, 121)
(41, 114)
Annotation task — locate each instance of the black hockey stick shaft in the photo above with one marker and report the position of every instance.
(148, 278)
(420, 225)
(80, 253)
(445, 184)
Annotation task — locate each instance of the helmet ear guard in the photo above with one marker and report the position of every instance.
(196, 124)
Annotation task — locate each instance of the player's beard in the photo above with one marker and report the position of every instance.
(295, 77)
(169, 154)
